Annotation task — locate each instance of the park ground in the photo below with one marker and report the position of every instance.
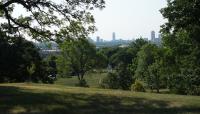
(63, 98)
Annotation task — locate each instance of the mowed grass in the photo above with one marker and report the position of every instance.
(58, 99)
(92, 79)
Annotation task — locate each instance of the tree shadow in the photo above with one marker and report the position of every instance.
(30, 102)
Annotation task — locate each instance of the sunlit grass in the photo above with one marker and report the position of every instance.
(92, 79)
(49, 99)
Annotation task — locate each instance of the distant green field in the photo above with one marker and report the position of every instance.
(92, 79)
(59, 99)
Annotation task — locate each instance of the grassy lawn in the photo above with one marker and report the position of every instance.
(91, 78)
(51, 99)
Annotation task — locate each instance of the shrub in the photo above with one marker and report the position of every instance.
(110, 81)
(185, 84)
(137, 86)
(82, 83)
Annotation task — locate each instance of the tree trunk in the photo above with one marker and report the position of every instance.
(158, 90)
(79, 78)
(82, 75)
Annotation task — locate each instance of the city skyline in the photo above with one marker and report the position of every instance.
(114, 37)
(128, 19)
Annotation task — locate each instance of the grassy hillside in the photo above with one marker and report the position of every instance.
(91, 78)
(51, 99)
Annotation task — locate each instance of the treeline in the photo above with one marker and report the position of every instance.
(175, 65)
(138, 67)
(19, 58)
(20, 61)
(143, 65)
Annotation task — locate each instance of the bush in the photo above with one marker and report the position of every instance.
(82, 83)
(185, 84)
(137, 86)
(110, 81)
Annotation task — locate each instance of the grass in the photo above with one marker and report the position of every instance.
(50, 99)
(92, 79)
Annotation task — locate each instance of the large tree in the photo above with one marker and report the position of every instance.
(77, 56)
(182, 14)
(20, 61)
(42, 19)
(181, 37)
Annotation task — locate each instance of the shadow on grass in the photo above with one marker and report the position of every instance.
(16, 100)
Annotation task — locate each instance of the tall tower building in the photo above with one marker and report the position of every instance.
(98, 39)
(153, 36)
(113, 36)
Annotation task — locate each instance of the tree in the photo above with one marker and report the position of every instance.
(101, 61)
(146, 57)
(181, 38)
(121, 79)
(135, 47)
(52, 67)
(182, 15)
(150, 66)
(31, 70)
(43, 18)
(122, 56)
(154, 76)
(20, 60)
(125, 79)
(109, 52)
(78, 55)
(110, 81)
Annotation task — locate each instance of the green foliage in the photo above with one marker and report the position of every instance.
(121, 79)
(110, 81)
(1, 12)
(109, 52)
(31, 70)
(124, 77)
(154, 79)
(43, 24)
(138, 86)
(20, 60)
(150, 67)
(181, 38)
(182, 15)
(122, 56)
(135, 47)
(77, 57)
(146, 57)
(52, 69)
(186, 83)
(101, 61)
(82, 83)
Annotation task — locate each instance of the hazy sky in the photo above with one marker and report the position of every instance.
(129, 18)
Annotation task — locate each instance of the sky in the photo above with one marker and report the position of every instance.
(128, 19)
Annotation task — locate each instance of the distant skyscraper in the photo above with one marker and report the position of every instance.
(113, 36)
(153, 36)
(98, 39)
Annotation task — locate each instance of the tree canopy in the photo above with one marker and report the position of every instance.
(42, 19)
(181, 40)
(17, 56)
(182, 14)
(77, 56)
